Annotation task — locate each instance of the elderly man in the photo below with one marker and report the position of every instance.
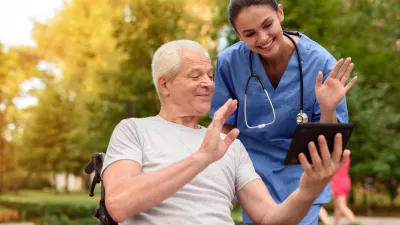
(168, 169)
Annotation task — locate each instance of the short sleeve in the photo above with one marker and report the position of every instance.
(245, 171)
(124, 144)
(223, 90)
(341, 110)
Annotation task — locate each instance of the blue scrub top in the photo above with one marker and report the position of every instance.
(267, 147)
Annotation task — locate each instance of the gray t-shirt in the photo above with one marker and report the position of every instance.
(156, 143)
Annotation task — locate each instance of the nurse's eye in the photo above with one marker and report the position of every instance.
(267, 25)
(249, 34)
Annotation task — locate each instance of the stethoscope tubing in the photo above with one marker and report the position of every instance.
(252, 74)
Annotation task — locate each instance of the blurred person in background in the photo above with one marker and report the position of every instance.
(324, 216)
(341, 186)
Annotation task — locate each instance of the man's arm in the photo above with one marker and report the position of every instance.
(129, 191)
(258, 203)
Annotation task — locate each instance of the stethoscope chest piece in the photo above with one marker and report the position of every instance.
(301, 118)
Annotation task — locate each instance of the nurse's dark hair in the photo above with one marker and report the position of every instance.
(235, 6)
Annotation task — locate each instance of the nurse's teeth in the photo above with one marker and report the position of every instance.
(267, 45)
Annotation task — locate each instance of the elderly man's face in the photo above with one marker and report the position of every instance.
(193, 86)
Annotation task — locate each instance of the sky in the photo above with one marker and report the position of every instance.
(16, 19)
(16, 23)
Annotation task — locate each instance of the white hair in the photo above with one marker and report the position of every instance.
(167, 59)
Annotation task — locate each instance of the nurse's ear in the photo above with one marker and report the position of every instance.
(163, 86)
(281, 16)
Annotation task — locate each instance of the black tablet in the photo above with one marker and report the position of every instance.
(307, 132)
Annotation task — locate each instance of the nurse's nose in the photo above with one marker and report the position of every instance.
(264, 37)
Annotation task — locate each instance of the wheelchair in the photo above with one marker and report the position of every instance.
(95, 165)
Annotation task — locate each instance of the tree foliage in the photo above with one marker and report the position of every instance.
(102, 53)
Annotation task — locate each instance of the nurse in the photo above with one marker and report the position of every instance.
(265, 48)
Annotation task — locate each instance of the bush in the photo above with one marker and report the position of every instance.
(31, 210)
(13, 180)
(7, 215)
(36, 182)
(64, 220)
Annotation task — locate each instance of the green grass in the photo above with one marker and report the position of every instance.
(381, 202)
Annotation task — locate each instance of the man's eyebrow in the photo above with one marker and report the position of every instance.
(195, 69)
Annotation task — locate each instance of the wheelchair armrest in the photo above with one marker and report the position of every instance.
(95, 165)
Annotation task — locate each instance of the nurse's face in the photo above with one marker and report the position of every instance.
(259, 26)
(192, 88)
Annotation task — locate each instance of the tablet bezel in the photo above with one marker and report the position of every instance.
(313, 130)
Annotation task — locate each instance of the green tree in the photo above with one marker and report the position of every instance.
(375, 142)
(79, 41)
(104, 57)
(47, 131)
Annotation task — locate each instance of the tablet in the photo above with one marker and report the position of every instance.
(307, 132)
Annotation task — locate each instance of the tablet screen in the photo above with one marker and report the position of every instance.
(307, 132)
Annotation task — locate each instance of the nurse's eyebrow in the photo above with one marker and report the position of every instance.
(262, 24)
(265, 21)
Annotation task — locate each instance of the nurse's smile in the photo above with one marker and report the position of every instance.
(267, 47)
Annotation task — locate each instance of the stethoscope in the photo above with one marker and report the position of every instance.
(301, 116)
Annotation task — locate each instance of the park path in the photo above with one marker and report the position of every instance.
(373, 221)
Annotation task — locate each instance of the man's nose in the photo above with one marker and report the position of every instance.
(207, 82)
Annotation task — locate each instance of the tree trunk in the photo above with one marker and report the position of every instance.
(66, 183)
(392, 186)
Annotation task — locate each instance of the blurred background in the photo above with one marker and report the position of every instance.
(71, 70)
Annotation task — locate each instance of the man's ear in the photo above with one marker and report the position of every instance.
(281, 16)
(163, 86)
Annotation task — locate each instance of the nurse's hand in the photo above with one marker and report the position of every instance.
(330, 93)
(318, 175)
(213, 146)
